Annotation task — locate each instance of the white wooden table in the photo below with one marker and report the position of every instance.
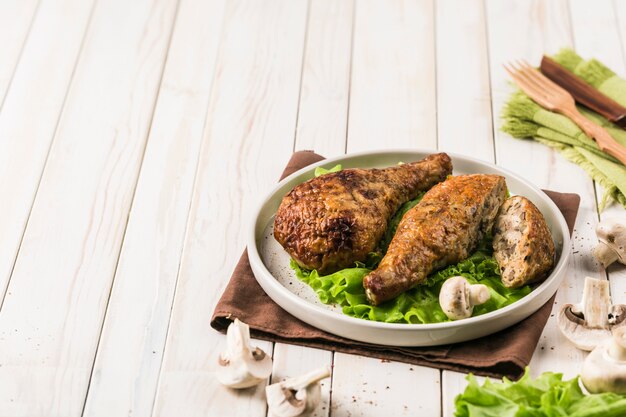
(136, 136)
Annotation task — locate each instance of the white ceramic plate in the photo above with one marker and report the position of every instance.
(270, 263)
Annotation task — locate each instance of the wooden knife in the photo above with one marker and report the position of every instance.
(583, 92)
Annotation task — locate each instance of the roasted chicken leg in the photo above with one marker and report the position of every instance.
(330, 222)
(444, 228)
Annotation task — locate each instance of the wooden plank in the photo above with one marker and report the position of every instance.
(291, 361)
(524, 30)
(392, 105)
(248, 137)
(371, 387)
(463, 106)
(322, 125)
(531, 31)
(596, 29)
(55, 304)
(130, 352)
(16, 18)
(323, 109)
(392, 94)
(39, 88)
(464, 122)
(453, 383)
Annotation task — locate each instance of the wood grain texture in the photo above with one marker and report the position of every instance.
(464, 122)
(248, 137)
(323, 109)
(530, 31)
(547, 26)
(371, 387)
(322, 126)
(392, 93)
(55, 303)
(454, 383)
(392, 105)
(464, 118)
(126, 371)
(598, 30)
(291, 361)
(581, 91)
(30, 114)
(15, 23)
(238, 85)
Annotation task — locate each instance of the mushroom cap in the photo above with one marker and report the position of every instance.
(454, 298)
(612, 233)
(247, 370)
(458, 297)
(574, 329)
(573, 326)
(241, 366)
(604, 369)
(286, 402)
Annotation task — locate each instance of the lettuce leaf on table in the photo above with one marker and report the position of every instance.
(546, 396)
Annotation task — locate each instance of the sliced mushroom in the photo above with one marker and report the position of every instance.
(591, 322)
(241, 365)
(612, 237)
(296, 396)
(604, 369)
(458, 297)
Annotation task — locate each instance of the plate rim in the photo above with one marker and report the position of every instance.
(257, 262)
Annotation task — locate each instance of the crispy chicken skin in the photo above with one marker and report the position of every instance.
(330, 222)
(522, 243)
(444, 228)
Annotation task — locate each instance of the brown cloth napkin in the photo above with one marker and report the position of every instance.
(505, 353)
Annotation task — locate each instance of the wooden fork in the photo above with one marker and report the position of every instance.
(553, 97)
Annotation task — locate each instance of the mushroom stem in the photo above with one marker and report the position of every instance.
(238, 337)
(479, 294)
(307, 379)
(605, 254)
(596, 303)
(297, 396)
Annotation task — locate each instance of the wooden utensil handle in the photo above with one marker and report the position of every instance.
(602, 137)
(581, 91)
(614, 149)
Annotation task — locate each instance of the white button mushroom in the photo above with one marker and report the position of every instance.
(604, 370)
(590, 323)
(242, 366)
(296, 396)
(458, 297)
(612, 237)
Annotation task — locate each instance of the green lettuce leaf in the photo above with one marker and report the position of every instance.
(546, 396)
(321, 171)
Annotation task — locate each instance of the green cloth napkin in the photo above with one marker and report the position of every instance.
(523, 118)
